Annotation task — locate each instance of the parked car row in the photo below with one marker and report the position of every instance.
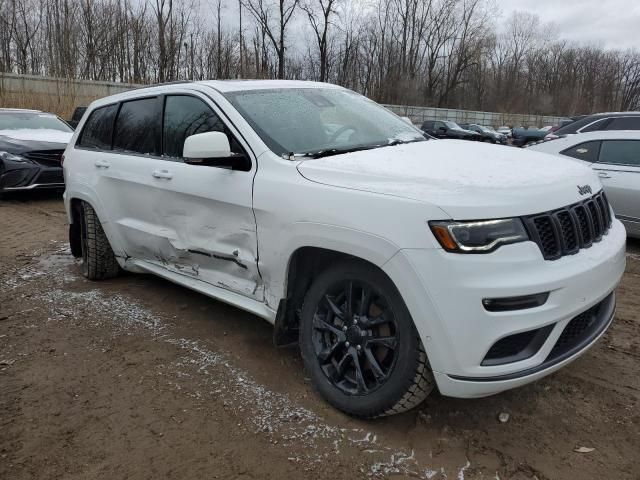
(386, 256)
(466, 131)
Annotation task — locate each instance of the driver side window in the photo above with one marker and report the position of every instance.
(184, 116)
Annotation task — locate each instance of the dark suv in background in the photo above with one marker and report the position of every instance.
(488, 134)
(447, 129)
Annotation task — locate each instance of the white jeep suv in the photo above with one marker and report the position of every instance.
(398, 263)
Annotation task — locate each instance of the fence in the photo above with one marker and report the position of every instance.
(62, 95)
(57, 95)
(420, 114)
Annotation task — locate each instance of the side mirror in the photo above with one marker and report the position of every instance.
(210, 149)
(442, 129)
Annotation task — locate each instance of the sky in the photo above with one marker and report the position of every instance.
(612, 24)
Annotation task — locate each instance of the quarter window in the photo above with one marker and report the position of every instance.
(185, 116)
(98, 129)
(136, 127)
(620, 152)
(587, 151)
(624, 123)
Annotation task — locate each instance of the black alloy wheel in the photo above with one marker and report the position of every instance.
(354, 337)
(359, 343)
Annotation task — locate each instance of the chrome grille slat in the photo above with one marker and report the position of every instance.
(567, 230)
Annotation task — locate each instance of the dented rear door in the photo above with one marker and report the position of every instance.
(207, 229)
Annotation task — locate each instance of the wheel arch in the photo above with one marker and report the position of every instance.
(74, 199)
(304, 265)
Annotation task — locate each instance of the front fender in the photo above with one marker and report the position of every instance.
(274, 265)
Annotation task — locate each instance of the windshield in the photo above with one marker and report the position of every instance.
(487, 129)
(453, 125)
(29, 121)
(309, 120)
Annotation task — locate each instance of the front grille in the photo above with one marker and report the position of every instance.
(48, 158)
(567, 230)
(50, 176)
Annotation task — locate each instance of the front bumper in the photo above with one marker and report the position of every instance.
(31, 177)
(444, 294)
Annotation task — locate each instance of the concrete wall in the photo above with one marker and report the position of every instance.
(493, 119)
(61, 96)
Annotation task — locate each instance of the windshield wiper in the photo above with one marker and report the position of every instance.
(339, 151)
(332, 151)
(397, 141)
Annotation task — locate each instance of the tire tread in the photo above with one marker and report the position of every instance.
(100, 260)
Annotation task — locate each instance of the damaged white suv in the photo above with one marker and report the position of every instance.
(398, 263)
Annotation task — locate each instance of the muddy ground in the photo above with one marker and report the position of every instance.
(139, 378)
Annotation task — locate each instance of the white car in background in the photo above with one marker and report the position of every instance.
(396, 263)
(615, 156)
(504, 130)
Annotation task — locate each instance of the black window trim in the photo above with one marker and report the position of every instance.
(155, 97)
(246, 146)
(80, 135)
(616, 164)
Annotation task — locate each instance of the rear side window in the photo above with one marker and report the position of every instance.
(185, 116)
(136, 127)
(597, 126)
(98, 128)
(624, 123)
(620, 152)
(587, 151)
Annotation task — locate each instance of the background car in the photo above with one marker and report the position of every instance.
(31, 147)
(524, 136)
(504, 130)
(598, 122)
(448, 129)
(488, 134)
(615, 155)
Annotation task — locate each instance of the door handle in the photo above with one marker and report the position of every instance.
(102, 164)
(604, 175)
(166, 174)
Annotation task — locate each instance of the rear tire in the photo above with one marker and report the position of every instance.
(98, 259)
(359, 343)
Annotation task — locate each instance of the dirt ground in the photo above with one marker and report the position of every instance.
(138, 378)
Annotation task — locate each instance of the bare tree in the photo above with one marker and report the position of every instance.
(263, 12)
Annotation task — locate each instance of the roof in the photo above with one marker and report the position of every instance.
(610, 114)
(222, 86)
(238, 85)
(18, 110)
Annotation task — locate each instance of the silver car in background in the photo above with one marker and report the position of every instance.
(615, 155)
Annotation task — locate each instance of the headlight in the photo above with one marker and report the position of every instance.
(478, 236)
(10, 157)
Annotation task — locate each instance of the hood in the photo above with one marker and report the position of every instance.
(20, 141)
(35, 135)
(467, 180)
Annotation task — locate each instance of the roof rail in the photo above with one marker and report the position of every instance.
(174, 82)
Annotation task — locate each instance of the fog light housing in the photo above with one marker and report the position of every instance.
(507, 304)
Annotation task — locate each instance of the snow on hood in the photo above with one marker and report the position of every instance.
(467, 180)
(38, 134)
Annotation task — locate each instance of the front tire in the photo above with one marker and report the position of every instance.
(98, 259)
(359, 343)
